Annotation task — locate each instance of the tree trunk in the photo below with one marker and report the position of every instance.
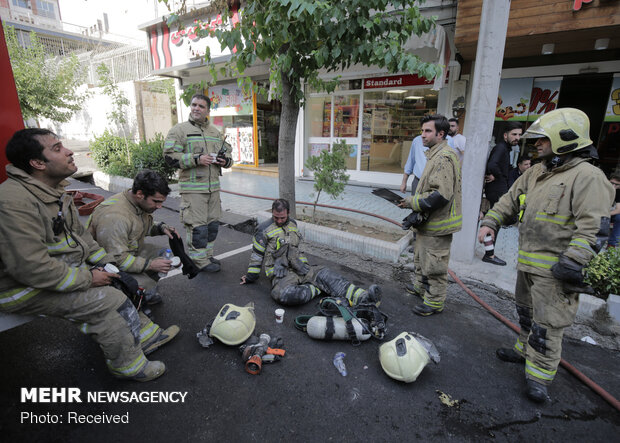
(286, 145)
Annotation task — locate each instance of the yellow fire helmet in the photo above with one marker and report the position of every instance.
(568, 129)
(233, 324)
(403, 358)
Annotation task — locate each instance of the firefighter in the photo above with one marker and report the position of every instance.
(563, 206)
(197, 148)
(121, 223)
(50, 265)
(436, 216)
(277, 245)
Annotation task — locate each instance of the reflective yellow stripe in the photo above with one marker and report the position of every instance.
(18, 295)
(495, 216)
(519, 347)
(131, 369)
(148, 331)
(127, 262)
(61, 245)
(68, 281)
(538, 372)
(258, 246)
(581, 243)
(253, 270)
(522, 198)
(537, 260)
(269, 271)
(451, 222)
(554, 218)
(97, 255)
(432, 304)
(273, 232)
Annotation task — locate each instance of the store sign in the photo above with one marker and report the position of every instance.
(612, 114)
(395, 81)
(577, 4)
(229, 100)
(171, 47)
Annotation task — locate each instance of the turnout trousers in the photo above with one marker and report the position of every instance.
(105, 314)
(545, 309)
(200, 213)
(430, 260)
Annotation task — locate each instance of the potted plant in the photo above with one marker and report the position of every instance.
(603, 273)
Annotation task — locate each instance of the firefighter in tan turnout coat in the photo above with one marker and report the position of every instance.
(563, 206)
(47, 259)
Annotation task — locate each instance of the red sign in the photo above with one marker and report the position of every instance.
(577, 4)
(395, 81)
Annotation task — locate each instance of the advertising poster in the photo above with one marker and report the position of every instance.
(242, 144)
(513, 99)
(612, 113)
(545, 96)
(229, 100)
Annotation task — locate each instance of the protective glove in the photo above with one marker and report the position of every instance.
(280, 267)
(568, 270)
(299, 266)
(570, 273)
(415, 219)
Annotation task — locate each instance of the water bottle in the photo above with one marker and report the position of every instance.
(339, 363)
(168, 256)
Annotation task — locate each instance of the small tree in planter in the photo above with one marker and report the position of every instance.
(603, 273)
(329, 169)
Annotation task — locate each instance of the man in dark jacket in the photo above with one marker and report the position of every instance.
(496, 178)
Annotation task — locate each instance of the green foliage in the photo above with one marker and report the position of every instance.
(109, 152)
(603, 272)
(329, 171)
(47, 86)
(118, 115)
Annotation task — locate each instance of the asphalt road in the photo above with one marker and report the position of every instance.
(302, 397)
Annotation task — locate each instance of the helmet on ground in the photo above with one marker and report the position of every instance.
(233, 324)
(403, 358)
(568, 129)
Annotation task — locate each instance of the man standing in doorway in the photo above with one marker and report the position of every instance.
(496, 178)
(436, 215)
(197, 148)
(458, 140)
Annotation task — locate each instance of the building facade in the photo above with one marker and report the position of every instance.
(558, 53)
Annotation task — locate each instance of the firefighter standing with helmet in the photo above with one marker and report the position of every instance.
(563, 205)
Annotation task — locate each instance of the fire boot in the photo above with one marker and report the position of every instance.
(537, 392)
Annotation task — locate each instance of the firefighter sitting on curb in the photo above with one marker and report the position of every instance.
(563, 208)
(277, 243)
(121, 223)
(46, 258)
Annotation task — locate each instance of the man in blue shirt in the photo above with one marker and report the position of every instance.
(416, 162)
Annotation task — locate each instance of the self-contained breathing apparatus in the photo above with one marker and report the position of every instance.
(336, 320)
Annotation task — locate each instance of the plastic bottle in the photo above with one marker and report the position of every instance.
(317, 328)
(339, 363)
(167, 255)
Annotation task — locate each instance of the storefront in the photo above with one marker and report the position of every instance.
(376, 113)
(249, 121)
(557, 54)
(378, 117)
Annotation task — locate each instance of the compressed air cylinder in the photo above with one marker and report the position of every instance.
(335, 328)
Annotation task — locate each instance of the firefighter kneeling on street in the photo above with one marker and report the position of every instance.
(563, 206)
(294, 282)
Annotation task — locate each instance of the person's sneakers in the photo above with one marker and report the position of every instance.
(536, 392)
(150, 371)
(155, 343)
(425, 310)
(509, 355)
(495, 260)
(412, 289)
(211, 267)
(152, 297)
(216, 261)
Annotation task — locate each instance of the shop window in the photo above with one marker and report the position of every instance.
(319, 110)
(391, 120)
(346, 115)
